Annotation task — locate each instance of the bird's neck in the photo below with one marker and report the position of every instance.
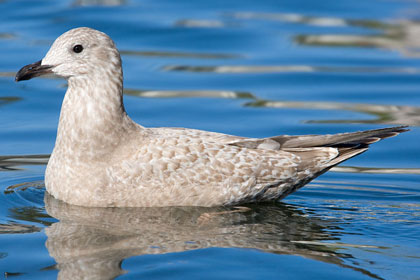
(93, 120)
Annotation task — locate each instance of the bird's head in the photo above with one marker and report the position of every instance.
(80, 52)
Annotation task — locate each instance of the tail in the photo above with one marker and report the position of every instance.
(350, 139)
(318, 153)
(348, 144)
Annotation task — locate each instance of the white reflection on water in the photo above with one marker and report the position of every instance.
(175, 54)
(288, 69)
(403, 36)
(293, 18)
(99, 2)
(200, 23)
(375, 170)
(385, 114)
(400, 35)
(189, 93)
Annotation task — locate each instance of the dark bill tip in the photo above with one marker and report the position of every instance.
(32, 70)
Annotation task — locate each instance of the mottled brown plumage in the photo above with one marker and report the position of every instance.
(102, 158)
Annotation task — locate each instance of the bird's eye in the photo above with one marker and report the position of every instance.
(78, 48)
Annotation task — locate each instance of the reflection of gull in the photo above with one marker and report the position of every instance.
(92, 242)
(386, 114)
(12, 228)
(103, 158)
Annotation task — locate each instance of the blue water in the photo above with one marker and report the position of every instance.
(249, 68)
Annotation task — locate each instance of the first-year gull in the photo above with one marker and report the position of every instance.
(103, 158)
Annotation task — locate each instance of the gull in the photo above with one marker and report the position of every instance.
(102, 158)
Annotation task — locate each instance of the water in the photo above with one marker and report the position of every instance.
(250, 68)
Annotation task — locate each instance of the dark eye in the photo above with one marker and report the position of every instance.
(78, 48)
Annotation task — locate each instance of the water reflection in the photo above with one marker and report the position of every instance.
(92, 242)
(7, 74)
(4, 35)
(240, 69)
(13, 162)
(174, 54)
(24, 207)
(400, 35)
(8, 99)
(384, 114)
(311, 20)
(289, 69)
(375, 170)
(189, 93)
(14, 228)
(99, 2)
(200, 23)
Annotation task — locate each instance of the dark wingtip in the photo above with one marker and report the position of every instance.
(393, 131)
(372, 136)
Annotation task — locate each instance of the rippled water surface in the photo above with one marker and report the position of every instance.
(250, 68)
